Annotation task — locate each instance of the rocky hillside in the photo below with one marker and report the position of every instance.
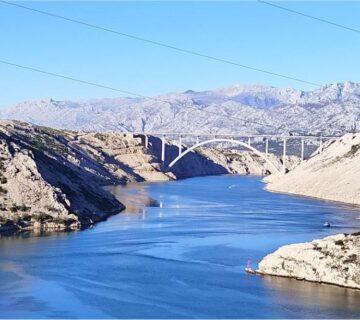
(51, 178)
(246, 162)
(333, 174)
(240, 109)
(332, 260)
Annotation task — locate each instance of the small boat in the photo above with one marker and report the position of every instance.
(250, 270)
(326, 224)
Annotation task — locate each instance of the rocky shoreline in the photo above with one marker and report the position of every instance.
(332, 173)
(332, 260)
(52, 179)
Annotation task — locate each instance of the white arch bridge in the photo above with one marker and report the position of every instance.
(243, 141)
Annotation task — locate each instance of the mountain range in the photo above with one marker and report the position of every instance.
(239, 109)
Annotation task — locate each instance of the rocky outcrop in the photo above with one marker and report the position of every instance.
(332, 173)
(246, 162)
(332, 260)
(44, 186)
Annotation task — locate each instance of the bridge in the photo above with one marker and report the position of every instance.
(245, 141)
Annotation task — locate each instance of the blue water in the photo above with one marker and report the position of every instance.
(178, 252)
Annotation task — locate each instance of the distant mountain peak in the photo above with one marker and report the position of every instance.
(240, 109)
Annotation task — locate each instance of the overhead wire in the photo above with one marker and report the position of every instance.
(158, 43)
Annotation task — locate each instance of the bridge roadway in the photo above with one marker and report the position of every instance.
(242, 140)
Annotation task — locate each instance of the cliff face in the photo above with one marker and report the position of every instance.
(333, 174)
(48, 182)
(332, 260)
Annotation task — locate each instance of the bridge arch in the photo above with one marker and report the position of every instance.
(245, 145)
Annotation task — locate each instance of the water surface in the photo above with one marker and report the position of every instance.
(179, 251)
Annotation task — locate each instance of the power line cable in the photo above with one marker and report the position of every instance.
(53, 74)
(95, 84)
(160, 44)
(309, 16)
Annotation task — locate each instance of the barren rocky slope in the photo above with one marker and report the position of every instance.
(333, 174)
(240, 109)
(247, 162)
(52, 178)
(333, 260)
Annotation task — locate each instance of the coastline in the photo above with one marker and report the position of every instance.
(264, 274)
(54, 179)
(339, 202)
(331, 260)
(331, 174)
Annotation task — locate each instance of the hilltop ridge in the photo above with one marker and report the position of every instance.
(242, 109)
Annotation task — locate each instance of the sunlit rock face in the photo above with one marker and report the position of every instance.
(333, 260)
(332, 173)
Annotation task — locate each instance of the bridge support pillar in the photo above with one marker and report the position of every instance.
(249, 141)
(146, 141)
(163, 149)
(284, 156)
(197, 140)
(267, 146)
(180, 145)
(302, 148)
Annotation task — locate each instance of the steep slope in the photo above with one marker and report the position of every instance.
(240, 109)
(333, 174)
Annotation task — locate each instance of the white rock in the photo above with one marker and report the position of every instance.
(333, 260)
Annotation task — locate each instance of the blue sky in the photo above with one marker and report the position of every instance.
(246, 32)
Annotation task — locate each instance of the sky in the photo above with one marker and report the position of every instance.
(246, 32)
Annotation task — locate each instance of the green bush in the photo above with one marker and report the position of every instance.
(14, 208)
(100, 136)
(351, 258)
(59, 220)
(43, 217)
(26, 217)
(64, 221)
(339, 242)
(51, 209)
(23, 208)
(354, 149)
(3, 190)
